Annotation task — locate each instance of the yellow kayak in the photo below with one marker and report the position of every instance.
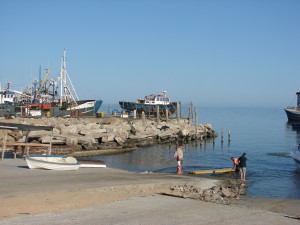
(227, 170)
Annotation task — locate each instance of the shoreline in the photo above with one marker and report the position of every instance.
(27, 194)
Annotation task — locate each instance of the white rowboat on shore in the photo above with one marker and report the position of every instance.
(52, 162)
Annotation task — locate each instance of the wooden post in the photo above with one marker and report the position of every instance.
(134, 114)
(167, 115)
(178, 111)
(50, 145)
(27, 150)
(15, 152)
(228, 135)
(196, 119)
(222, 135)
(4, 146)
(143, 119)
(157, 114)
(190, 115)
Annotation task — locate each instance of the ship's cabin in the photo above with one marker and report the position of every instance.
(161, 99)
(7, 97)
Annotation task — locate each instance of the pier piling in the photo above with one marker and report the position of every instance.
(222, 137)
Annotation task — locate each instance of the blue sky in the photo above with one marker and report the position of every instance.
(210, 52)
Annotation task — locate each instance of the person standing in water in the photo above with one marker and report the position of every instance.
(179, 159)
(243, 165)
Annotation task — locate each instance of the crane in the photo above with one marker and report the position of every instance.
(44, 80)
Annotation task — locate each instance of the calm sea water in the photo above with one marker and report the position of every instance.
(263, 133)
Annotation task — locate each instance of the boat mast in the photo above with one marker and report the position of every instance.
(67, 94)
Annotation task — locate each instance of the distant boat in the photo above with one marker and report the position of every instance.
(52, 162)
(293, 113)
(296, 156)
(149, 105)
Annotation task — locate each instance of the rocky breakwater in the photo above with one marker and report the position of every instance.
(97, 136)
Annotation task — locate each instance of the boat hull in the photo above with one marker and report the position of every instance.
(7, 110)
(52, 162)
(296, 156)
(227, 170)
(83, 108)
(148, 109)
(293, 114)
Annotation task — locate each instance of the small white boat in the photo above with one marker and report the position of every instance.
(52, 162)
(296, 156)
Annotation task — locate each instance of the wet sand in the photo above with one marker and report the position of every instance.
(111, 196)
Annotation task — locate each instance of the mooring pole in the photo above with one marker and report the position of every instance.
(196, 119)
(229, 136)
(143, 119)
(178, 111)
(222, 135)
(167, 115)
(157, 114)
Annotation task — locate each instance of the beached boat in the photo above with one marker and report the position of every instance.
(52, 162)
(293, 113)
(226, 170)
(149, 105)
(296, 156)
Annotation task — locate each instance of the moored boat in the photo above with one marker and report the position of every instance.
(296, 156)
(52, 162)
(293, 113)
(150, 105)
(43, 100)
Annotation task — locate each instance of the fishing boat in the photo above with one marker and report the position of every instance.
(150, 105)
(8, 98)
(52, 162)
(43, 99)
(293, 113)
(226, 170)
(296, 156)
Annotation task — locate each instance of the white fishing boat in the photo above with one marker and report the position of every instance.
(296, 156)
(52, 162)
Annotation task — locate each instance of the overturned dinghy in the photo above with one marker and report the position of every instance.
(52, 162)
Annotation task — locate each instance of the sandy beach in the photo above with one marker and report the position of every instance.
(111, 196)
